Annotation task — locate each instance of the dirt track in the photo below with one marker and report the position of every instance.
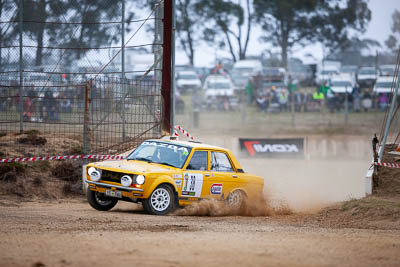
(70, 233)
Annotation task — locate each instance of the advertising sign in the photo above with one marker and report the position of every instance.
(273, 147)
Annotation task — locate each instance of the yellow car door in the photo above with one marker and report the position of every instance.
(194, 175)
(223, 176)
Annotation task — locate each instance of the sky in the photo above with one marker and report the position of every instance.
(378, 29)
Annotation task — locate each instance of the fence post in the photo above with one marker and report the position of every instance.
(166, 86)
(389, 118)
(86, 120)
(123, 72)
(346, 107)
(21, 79)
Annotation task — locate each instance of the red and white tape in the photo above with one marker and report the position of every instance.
(183, 131)
(386, 164)
(103, 157)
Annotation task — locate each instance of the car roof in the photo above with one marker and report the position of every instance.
(384, 79)
(188, 144)
(218, 77)
(187, 72)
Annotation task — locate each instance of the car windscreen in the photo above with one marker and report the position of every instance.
(187, 77)
(243, 69)
(328, 72)
(348, 69)
(341, 84)
(384, 84)
(388, 71)
(218, 85)
(368, 71)
(162, 153)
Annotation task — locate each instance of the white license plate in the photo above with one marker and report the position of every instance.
(112, 193)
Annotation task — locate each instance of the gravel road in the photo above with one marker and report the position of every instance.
(71, 233)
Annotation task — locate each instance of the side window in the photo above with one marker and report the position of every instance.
(198, 161)
(220, 162)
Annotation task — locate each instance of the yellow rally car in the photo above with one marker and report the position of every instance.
(164, 174)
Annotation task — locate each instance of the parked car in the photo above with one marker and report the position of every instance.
(341, 84)
(367, 76)
(350, 70)
(239, 80)
(248, 67)
(387, 70)
(219, 90)
(163, 174)
(384, 84)
(326, 74)
(187, 81)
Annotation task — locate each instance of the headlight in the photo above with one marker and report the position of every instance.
(126, 180)
(94, 174)
(139, 179)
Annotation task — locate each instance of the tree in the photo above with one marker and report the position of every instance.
(351, 52)
(289, 23)
(393, 40)
(222, 15)
(92, 33)
(187, 27)
(5, 31)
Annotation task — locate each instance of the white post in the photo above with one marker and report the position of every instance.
(389, 120)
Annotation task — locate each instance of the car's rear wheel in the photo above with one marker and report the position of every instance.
(99, 201)
(236, 199)
(161, 200)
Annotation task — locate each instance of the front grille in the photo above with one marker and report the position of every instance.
(110, 176)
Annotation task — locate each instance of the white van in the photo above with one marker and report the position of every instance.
(341, 84)
(248, 67)
(384, 84)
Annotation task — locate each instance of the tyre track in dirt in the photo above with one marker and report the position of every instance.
(71, 233)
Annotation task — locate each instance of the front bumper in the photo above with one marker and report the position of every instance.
(127, 192)
(124, 188)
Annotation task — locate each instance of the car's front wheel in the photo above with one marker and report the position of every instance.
(99, 201)
(161, 200)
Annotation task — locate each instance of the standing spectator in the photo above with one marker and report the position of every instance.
(299, 100)
(308, 97)
(47, 103)
(283, 99)
(318, 98)
(331, 100)
(250, 91)
(261, 100)
(383, 101)
(356, 94)
(324, 88)
(366, 101)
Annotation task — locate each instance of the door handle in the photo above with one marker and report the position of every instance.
(234, 176)
(206, 175)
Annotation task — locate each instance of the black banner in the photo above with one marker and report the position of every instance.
(285, 147)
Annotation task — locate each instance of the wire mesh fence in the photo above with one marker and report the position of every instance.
(83, 75)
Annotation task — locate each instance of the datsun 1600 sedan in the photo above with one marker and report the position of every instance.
(165, 174)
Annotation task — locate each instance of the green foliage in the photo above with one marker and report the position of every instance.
(66, 35)
(289, 23)
(393, 39)
(220, 17)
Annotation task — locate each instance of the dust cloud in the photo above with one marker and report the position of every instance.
(309, 185)
(217, 208)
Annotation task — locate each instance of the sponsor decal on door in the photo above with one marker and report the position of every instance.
(192, 184)
(216, 189)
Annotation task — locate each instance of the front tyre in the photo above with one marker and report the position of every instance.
(161, 201)
(99, 201)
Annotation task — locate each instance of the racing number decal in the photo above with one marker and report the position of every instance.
(192, 184)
